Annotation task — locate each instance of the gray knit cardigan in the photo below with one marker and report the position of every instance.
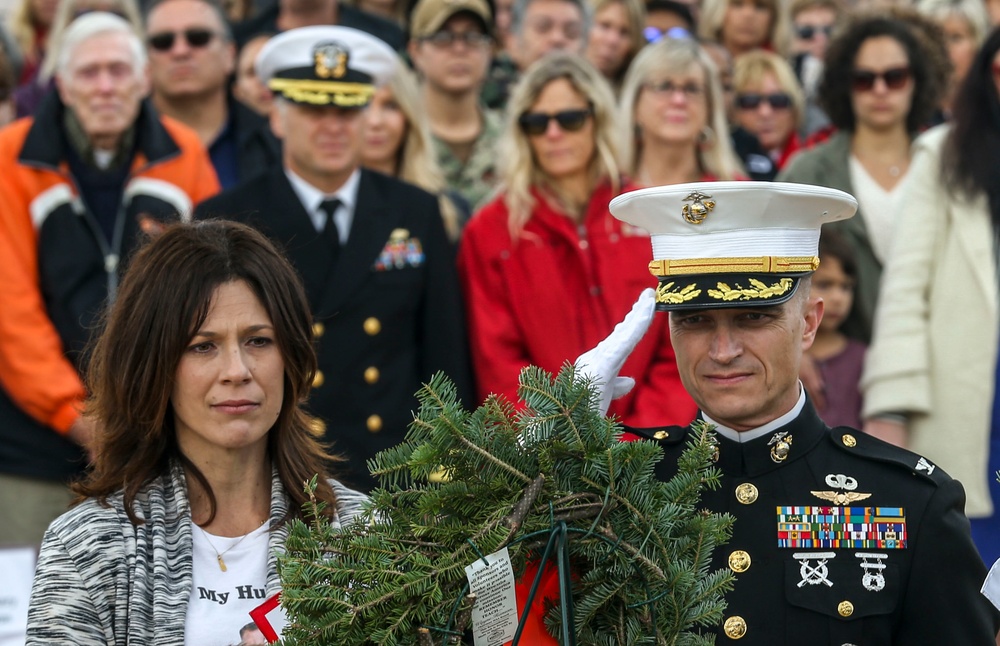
(103, 581)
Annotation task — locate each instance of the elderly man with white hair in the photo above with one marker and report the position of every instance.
(81, 184)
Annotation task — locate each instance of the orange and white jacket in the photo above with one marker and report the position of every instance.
(58, 270)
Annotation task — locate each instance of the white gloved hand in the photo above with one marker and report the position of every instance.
(603, 363)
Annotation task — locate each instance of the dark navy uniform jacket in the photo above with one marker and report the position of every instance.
(817, 561)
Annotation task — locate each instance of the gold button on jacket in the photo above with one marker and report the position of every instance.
(372, 326)
(371, 375)
(374, 423)
(735, 627)
(739, 561)
(746, 493)
(318, 379)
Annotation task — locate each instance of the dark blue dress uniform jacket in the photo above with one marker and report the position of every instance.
(381, 329)
(927, 593)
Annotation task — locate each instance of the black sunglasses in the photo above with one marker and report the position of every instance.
(895, 78)
(807, 32)
(196, 37)
(536, 123)
(752, 100)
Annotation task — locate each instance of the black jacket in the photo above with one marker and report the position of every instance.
(258, 148)
(926, 594)
(380, 332)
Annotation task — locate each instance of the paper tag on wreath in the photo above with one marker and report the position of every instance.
(494, 617)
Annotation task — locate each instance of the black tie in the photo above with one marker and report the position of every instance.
(330, 228)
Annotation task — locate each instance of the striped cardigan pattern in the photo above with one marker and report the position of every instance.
(102, 581)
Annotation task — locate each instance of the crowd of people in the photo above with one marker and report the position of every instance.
(438, 173)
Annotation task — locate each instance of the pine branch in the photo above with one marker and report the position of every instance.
(397, 576)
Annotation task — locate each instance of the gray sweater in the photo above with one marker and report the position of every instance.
(103, 581)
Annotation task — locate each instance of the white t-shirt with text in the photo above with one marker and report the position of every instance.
(218, 612)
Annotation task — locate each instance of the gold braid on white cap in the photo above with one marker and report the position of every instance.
(748, 265)
(345, 95)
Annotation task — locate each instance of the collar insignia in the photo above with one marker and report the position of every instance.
(781, 444)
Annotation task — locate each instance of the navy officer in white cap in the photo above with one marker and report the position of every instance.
(372, 251)
(839, 538)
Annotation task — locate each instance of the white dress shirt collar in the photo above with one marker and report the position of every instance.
(753, 434)
(311, 197)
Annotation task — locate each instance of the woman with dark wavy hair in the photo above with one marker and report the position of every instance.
(201, 454)
(931, 373)
(884, 77)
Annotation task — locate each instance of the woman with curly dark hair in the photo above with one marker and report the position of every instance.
(931, 374)
(884, 76)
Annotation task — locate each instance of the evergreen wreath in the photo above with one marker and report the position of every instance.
(640, 549)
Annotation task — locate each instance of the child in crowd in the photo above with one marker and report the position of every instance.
(839, 359)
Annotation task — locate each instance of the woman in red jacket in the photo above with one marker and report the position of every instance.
(546, 271)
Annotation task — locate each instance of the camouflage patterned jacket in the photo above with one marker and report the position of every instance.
(475, 179)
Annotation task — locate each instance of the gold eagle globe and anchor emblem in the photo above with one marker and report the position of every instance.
(697, 212)
(330, 60)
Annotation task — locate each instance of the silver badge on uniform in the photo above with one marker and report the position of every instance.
(924, 465)
(873, 580)
(840, 481)
(781, 444)
(814, 575)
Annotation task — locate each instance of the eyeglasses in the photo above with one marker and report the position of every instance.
(895, 78)
(808, 32)
(536, 123)
(667, 87)
(752, 101)
(196, 37)
(447, 38)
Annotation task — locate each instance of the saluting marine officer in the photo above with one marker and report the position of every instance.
(839, 538)
(372, 251)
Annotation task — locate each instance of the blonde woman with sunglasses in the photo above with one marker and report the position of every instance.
(545, 269)
(770, 105)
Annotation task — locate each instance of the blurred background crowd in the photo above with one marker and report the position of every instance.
(519, 120)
